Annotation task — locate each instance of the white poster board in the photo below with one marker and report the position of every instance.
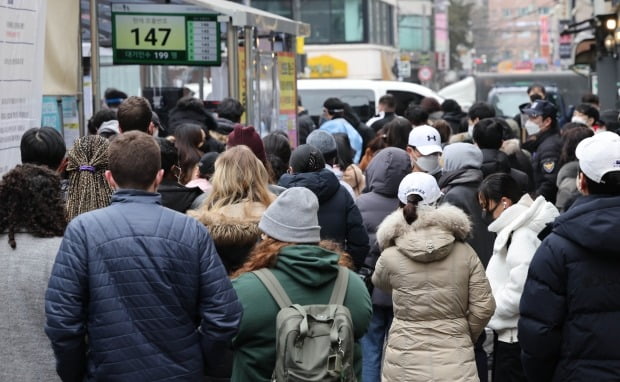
(22, 43)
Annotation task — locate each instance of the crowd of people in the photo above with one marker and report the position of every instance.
(440, 245)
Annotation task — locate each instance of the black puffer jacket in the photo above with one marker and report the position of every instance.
(455, 120)
(494, 161)
(176, 196)
(570, 306)
(545, 149)
(460, 188)
(378, 125)
(339, 217)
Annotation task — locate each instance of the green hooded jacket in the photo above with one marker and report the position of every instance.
(307, 274)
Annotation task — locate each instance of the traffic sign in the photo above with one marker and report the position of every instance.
(425, 74)
(163, 35)
(404, 69)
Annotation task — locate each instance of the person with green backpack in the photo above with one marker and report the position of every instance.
(304, 313)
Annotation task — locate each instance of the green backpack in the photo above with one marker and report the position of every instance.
(313, 342)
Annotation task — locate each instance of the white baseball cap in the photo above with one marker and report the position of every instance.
(419, 183)
(425, 139)
(599, 155)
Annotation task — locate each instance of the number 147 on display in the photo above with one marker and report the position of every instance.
(151, 35)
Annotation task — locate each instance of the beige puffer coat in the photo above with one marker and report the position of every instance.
(442, 298)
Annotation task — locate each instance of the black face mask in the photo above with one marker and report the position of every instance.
(487, 216)
(535, 97)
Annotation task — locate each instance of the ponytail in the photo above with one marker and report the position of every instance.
(410, 210)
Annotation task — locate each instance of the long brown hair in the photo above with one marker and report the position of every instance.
(265, 255)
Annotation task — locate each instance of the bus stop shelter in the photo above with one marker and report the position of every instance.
(256, 61)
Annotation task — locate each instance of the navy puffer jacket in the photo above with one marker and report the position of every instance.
(146, 286)
(339, 217)
(570, 307)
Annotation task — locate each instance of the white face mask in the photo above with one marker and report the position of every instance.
(428, 163)
(531, 127)
(577, 119)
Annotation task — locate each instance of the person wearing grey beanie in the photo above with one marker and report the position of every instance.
(293, 217)
(306, 267)
(326, 143)
(461, 155)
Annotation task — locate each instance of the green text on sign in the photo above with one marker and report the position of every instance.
(165, 39)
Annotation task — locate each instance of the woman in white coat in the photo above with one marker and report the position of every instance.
(517, 220)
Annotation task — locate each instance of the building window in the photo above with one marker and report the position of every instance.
(543, 10)
(334, 21)
(381, 23)
(282, 8)
(414, 33)
(506, 12)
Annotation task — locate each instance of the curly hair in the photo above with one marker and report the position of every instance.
(265, 255)
(88, 188)
(31, 201)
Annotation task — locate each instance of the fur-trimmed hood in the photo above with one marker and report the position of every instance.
(233, 225)
(511, 146)
(430, 237)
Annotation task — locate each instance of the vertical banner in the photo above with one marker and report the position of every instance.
(545, 40)
(287, 118)
(22, 46)
(565, 47)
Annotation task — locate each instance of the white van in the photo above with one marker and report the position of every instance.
(362, 95)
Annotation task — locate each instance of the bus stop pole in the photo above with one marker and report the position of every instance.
(248, 37)
(94, 55)
(232, 46)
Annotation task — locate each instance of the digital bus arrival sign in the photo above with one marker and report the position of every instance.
(159, 34)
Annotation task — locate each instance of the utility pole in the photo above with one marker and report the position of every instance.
(94, 56)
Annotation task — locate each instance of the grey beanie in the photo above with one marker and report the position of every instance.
(323, 141)
(461, 155)
(292, 217)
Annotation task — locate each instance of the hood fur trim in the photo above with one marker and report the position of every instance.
(446, 218)
(233, 225)
(511, 146)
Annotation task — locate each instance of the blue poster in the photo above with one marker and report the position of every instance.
(49, 115)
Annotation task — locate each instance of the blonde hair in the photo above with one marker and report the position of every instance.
(239, 176)
(88, 188)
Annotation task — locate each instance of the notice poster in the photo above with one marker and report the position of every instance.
(22, 47)
(287, 119)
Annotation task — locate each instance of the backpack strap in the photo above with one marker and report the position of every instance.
(274, 287)
(340, 286)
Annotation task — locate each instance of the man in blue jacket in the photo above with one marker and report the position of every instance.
(333, 112)
(570, 306)
(137, 292)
